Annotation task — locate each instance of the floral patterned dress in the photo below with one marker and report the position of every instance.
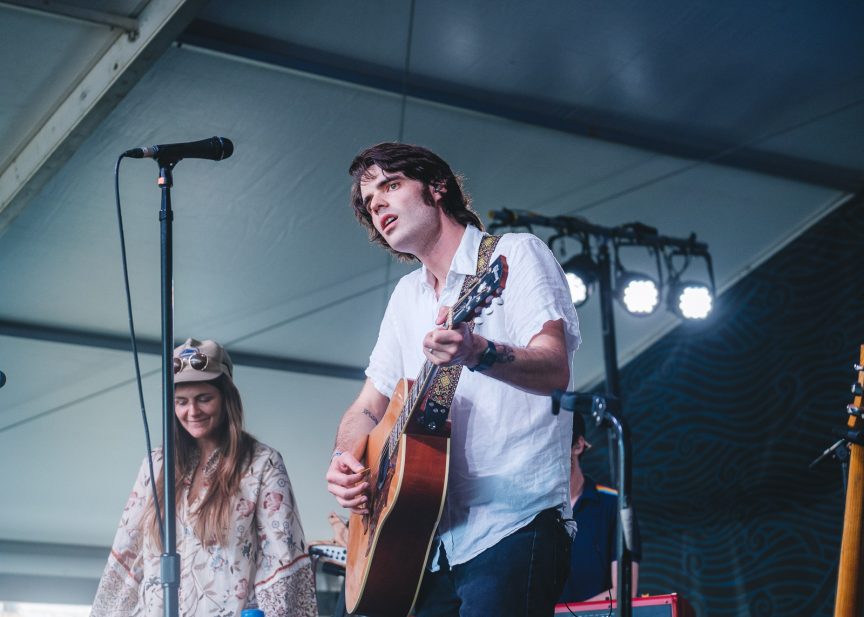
(263, 563)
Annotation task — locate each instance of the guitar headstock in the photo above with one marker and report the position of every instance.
(854, 408)
(490, 285)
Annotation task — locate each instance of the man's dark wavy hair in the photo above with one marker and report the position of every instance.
(417, 163)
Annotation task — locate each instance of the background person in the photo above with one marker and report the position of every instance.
(238, 529)
(593, 554)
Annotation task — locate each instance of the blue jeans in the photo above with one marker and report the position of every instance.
(521, 576)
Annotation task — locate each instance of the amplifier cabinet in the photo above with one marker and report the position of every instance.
(670, 605)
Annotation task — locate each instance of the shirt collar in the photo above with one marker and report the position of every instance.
(465, 259)
(210, 464)
(589, 490)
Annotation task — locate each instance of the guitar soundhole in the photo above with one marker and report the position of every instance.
(383, 469)
(378, 497)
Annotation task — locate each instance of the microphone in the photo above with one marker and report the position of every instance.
(2, 379)
(214, 149)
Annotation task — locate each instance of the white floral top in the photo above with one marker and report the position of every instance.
(264, 562)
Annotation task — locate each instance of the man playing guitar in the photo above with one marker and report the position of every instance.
(499, 545)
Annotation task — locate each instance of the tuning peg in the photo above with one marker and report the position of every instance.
(499, 300)
(857, 390)
(489, 311)
(478, 320)
(853, 410)
(858, 367)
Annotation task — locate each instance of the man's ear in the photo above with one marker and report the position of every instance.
(578, 447)
(439, 187)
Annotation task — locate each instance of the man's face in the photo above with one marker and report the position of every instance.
(404, 211)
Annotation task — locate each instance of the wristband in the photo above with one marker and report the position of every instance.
(336, 453)
(487, 358)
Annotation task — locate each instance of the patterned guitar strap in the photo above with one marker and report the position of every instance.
(440, 394)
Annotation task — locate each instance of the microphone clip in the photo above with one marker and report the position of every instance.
(599, 406)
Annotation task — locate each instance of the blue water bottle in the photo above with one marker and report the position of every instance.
(252, 612)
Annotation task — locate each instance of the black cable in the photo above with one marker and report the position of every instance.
(406, 68)
(135, 348)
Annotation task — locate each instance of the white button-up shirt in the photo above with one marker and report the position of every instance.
(510, 457)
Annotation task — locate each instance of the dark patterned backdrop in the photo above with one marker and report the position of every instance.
(727, 415)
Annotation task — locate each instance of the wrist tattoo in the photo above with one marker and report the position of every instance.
(371, 415)
(505, 354)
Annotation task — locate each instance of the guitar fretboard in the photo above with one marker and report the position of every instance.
(415, 395)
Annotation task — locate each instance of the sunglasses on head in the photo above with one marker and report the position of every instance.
(197, 361)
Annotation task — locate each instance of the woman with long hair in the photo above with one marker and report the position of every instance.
(239, 536)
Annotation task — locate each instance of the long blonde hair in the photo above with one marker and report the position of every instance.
(236, 448)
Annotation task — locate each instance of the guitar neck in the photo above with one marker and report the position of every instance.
(485, 286)
(415, 396)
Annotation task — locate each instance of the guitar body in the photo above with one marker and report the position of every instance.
(388, 548)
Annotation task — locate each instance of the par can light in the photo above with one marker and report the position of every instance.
(691, 300)
(639, 293)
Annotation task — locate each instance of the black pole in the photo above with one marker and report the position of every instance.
(623, 475)
(170, 560)
(625, 518)
(610, 351)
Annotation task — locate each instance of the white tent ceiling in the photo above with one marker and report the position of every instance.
(738, 121)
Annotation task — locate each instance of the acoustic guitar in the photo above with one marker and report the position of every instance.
(848, 602)
(408, 462)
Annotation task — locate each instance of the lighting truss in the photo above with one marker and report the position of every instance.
(640, 293)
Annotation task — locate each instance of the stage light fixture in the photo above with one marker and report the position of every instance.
(581, 274)
(691, 299)
(639, 293)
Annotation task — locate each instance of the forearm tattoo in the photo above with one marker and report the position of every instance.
(371, 415)
(505, 354)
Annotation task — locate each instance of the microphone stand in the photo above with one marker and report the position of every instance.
(170, 560)
(839, 451)
(615, 421)
(606, 412)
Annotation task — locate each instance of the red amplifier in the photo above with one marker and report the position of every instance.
(670, 605)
